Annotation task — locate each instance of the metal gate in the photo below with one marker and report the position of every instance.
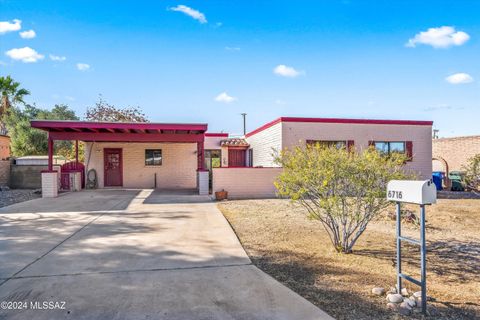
(66, 169)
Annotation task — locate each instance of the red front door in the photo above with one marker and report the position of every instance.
(113, 167)
(237, 157)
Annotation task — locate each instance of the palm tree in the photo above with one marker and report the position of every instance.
(11, 94)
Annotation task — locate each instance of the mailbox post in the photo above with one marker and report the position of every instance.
(421, 193)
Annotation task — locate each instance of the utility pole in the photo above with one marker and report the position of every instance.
(244, 115)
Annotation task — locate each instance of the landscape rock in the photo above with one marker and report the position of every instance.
(11, 196)
(404, 292)
(405, 304)
(417, 294)
(392, 290)
(392, 306)
(410, 301)
(417, 310)
(378, 291)
(404, 311)
(394, 298)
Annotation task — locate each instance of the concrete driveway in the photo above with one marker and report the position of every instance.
(132, 254)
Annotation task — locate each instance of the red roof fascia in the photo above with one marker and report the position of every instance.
(126, 137)
(339, 120)
(48, 125)
(222, 135)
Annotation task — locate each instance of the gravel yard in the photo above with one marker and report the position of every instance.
(8, 197)
(296, 251)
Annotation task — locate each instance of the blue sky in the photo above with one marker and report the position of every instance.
(208, 61)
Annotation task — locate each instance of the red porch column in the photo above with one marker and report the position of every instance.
(50, 154)
(200, 156)
(76, 154)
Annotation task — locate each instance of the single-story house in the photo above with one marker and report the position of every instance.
(186, 156)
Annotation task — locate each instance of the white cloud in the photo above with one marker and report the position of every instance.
(83, 66)
(280, 102)
(6, 26)
(57, 58)
(56, 96)
(232, 48)
(443, 106)
(225, 98)
(442, 37)
(25, 54)
(285, 71)
(459, 78)
(195, 14)
(29, 34)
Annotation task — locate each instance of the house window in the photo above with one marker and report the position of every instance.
(387, 147)
(212, 159)
(250, 158)
(153, 157)
(339, 144)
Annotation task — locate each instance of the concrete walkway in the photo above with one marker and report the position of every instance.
(133, 254)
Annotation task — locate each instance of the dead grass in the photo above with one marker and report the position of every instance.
(296, 251)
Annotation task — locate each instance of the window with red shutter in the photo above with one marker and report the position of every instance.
(350, 145)
(409, 151)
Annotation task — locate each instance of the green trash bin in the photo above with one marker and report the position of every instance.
(456, 179)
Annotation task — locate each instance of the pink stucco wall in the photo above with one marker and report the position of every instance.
(213, 142)
(246, 182)
(296, 133)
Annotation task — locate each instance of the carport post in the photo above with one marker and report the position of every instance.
(200, 156)
(50, 153)
(76, 154)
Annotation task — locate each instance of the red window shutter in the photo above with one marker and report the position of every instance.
(236, 158)
(409, 149)
(350, 145)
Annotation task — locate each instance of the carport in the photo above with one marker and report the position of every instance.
(132, 151)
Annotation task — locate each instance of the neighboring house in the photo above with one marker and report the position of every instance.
(451, 154)
(38, 160)
(4, 160)
(185, 156)
(4, 147)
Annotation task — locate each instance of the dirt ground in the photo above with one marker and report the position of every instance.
(283, 242)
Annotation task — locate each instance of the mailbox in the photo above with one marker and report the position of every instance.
(412, 191)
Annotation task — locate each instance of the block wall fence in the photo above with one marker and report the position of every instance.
(455, 151)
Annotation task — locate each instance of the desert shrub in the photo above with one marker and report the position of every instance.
(472, 173)
(341, 188)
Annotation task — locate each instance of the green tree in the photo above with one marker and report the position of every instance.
(472, 173)
(11, 94)
(103, 111)
(342, 189)
(26, 140)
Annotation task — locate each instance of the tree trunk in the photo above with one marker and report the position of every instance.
(5, 104)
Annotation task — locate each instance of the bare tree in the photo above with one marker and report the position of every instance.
(103, 111)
